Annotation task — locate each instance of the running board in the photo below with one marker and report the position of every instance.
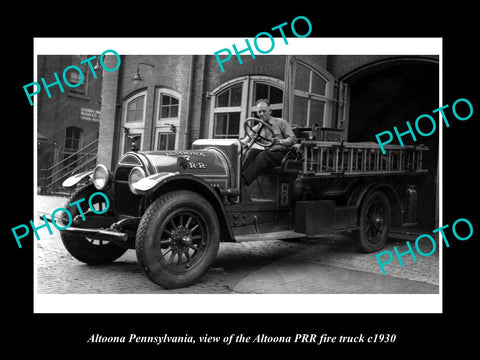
(276, 235)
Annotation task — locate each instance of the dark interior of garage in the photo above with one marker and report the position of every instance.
(390, 94)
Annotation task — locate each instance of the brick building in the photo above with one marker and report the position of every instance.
(176, 99)
(184, 97)
(68, 122)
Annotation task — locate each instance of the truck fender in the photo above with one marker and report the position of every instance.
(360, 192)
(157, 184)
(75, 179)
(149, 184)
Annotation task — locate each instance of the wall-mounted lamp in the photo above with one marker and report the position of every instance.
(137, 78)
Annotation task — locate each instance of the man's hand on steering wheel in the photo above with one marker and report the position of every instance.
(253, 132)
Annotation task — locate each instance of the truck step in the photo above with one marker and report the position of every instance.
(276, 235)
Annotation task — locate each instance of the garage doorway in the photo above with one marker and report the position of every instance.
(389, 93)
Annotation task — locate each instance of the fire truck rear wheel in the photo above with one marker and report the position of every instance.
(374, 222)
(177, 239)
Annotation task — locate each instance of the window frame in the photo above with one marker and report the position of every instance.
(328, 98)
(136, 124)
(225, 136)
(163, 125)
(270, 81)
(246, 107)
(134, 128)
(157, 141)
(80, 139)
(81, 90)
(168, 106)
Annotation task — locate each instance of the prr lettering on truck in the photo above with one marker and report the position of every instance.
(57, 82)
(265, 50)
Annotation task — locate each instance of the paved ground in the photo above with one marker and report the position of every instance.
(327, 265)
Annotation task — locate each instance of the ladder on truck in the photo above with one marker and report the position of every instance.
(325, 158)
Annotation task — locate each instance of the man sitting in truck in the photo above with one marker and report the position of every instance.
(257, 159)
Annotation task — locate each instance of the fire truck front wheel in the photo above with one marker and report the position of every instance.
(374, 222)
(89, 251)
(177, 239)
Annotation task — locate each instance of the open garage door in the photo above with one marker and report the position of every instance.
(387, 94)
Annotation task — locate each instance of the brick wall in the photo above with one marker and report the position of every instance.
(169, 72)
(194, 77)
(62, 110)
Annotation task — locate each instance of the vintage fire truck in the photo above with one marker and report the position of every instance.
(175, 207)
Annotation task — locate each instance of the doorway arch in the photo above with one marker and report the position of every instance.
(388, 92)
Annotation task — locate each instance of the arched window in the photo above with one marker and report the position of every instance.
(135, 110)
(134, 120)
(167, 119)
(265, 90)
(226, 121)
(168, 106)
(234, 101)
(313, 94)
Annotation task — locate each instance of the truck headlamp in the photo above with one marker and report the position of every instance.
(101, 177)
(136, 175)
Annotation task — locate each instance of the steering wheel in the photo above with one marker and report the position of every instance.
(254, 134)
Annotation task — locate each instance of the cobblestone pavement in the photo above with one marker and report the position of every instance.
(325, 265)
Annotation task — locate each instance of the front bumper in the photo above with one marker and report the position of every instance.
(99, 228)
(98, 234)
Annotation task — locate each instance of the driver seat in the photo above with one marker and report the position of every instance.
(292, 162)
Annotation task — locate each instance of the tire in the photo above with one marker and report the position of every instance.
(374, 222)
(177, 239)
(89, 251)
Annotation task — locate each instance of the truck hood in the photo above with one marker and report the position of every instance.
(203, 163)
